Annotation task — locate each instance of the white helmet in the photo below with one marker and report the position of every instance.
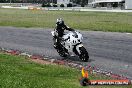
(60, 21)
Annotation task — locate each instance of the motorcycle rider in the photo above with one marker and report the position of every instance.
(60, 27)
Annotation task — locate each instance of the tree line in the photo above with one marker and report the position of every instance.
(42, 1)
(22, 1)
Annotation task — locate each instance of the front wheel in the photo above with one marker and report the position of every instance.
(83, 54)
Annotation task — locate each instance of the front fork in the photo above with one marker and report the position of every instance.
(76, 49)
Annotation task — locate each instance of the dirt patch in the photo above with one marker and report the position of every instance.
(41, 61)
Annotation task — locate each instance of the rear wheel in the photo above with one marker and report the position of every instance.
(60, 48)
(84, 54)
(62, 53)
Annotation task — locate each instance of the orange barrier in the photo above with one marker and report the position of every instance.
(34, 8)
(84, 73)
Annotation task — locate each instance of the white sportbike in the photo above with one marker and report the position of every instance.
(71, 42)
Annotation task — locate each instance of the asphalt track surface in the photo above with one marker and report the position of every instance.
(107, 50)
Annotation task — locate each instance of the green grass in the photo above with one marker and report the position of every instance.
(95, 21)
(18, 72)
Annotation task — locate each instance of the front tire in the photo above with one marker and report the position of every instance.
(83, 54)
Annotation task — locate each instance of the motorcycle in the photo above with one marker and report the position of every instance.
(70, 42)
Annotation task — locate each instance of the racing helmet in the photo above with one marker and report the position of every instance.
(60, 21)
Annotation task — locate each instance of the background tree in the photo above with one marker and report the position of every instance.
(62, 5)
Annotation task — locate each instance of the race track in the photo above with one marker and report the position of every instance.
(107, 50)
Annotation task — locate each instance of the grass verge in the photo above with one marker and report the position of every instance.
(95, 21)
(18, 72)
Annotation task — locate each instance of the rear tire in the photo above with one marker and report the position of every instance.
(62, 53)
(84, 54)
(60, 49)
